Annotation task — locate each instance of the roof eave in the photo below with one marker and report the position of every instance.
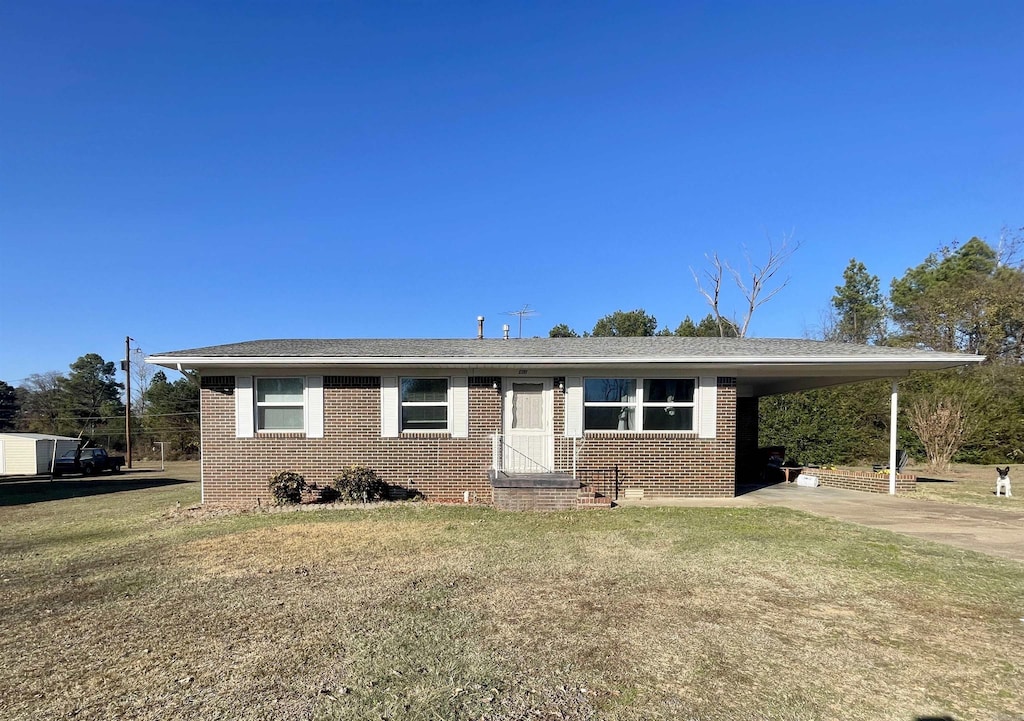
(938, 361)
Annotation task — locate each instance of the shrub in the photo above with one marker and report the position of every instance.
(329, 494)
(316, 493)
(361, 484)
(287, 487)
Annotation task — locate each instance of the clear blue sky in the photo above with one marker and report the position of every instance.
(194, 173)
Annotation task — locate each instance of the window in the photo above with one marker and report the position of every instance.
(664, 404)
(280, 404)
(668, 404)
(424, 404)
(609, 404)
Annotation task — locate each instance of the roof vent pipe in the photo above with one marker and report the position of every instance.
(479, 327)
(505, 329)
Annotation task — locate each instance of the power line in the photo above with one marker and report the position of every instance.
(104, 432)
(141, 417)
(164, 415)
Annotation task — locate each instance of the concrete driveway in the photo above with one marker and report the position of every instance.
(992, 531)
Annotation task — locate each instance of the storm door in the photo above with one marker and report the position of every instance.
(529, 439)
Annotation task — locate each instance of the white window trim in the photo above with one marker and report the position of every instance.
(639, 404)
(459, 406)
(390, 409)
(256, 405)
(314, 415)
(574, 406)
(245, 411)
(707, 412)
(449, 405)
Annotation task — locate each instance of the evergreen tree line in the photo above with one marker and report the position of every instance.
(967, 299)
(88, 403)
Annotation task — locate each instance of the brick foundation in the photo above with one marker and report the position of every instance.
(534, 499)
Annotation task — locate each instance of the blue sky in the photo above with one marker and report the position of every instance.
(194, 173)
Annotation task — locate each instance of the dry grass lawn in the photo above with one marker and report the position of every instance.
(970, 485)
(117, 605)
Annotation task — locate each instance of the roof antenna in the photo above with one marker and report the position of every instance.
(524, 312)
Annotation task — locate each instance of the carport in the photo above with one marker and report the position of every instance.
(858, 363)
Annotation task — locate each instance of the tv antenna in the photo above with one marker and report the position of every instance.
(524, 312)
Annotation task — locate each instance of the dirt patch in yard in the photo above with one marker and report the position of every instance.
(325, 545)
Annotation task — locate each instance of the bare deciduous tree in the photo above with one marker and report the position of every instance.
(41, 399)
(713, 296)
(142, 374)
(754, 284)
(1011, 243)
(942, 424)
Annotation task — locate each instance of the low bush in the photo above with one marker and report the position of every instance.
(328, 494)
(360, 484)
(287, 487)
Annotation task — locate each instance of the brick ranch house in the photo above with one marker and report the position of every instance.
(517, 423)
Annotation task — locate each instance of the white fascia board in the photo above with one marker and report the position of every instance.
(941, 360)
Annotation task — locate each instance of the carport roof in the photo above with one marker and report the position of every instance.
(762, 366)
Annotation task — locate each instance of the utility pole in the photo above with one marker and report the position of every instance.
(126, 366)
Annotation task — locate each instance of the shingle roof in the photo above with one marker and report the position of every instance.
(656, 347)
(765, 365)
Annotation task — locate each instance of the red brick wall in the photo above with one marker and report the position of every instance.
(535, 499)
(864, 481)
(236, 470)
(663, 464)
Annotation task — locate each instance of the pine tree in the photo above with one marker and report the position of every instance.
(859, 307)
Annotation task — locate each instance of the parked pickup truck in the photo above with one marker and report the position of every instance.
(87, 461)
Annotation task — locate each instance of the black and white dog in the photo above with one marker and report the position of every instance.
(1003, 481)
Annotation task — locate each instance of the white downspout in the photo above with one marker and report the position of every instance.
(893, 408)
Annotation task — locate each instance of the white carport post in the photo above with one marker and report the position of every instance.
(893, 407)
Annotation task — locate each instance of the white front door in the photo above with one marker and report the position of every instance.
(529, 442)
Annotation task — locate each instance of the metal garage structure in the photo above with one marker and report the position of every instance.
(29, 454)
